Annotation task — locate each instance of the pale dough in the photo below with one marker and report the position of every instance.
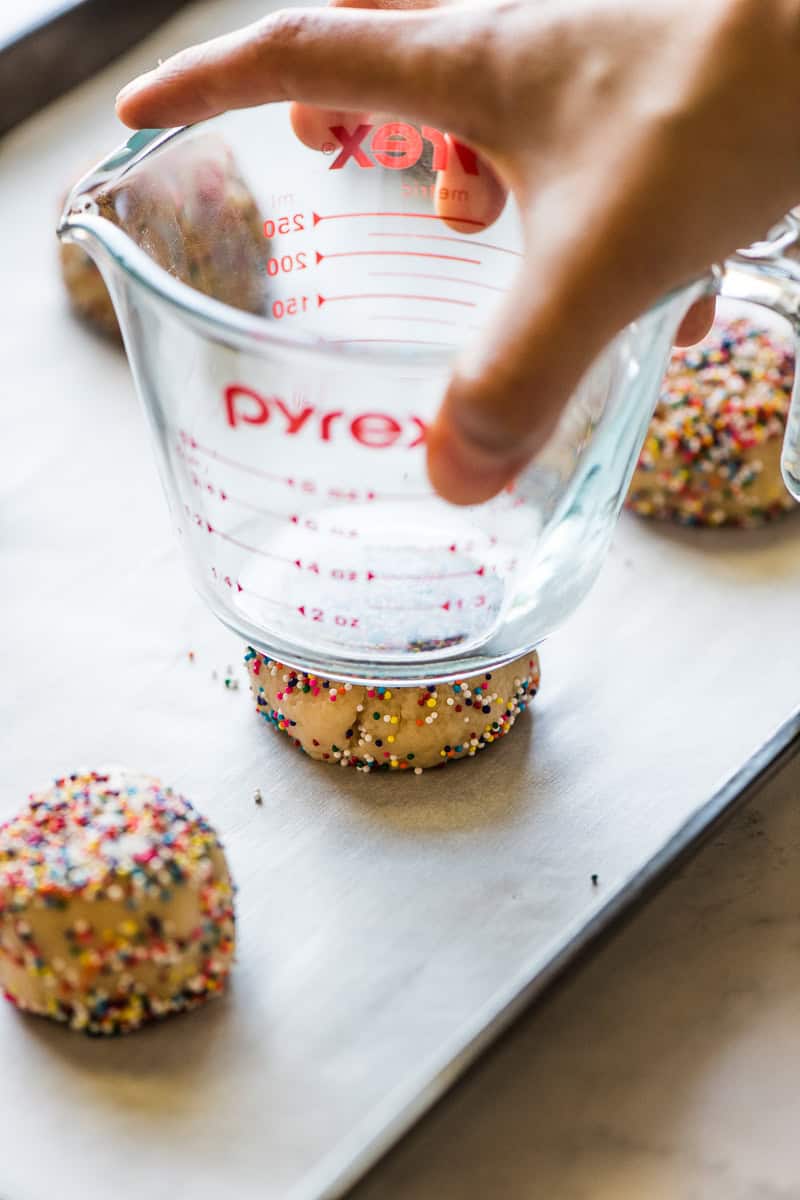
(713, 452)
(116, 904)
(192, 212)
(397, 728)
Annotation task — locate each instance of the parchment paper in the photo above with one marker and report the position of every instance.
(383, 920)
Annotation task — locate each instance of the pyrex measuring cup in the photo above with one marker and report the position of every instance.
(290, 436)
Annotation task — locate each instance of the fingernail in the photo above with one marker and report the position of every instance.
(463, 473)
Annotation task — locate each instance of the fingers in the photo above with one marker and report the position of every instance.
(312, 125)
(502, 407)
(697, 322)
(505, 400)
(504, 403)
(338, 58)
(468, 201)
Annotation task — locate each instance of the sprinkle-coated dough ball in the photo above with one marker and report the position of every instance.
(713, 452)
(87, 292)
(116, 905)
(192, 212)
(398, 728)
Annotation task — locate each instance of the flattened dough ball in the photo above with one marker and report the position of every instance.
(713, 452)
(399, 728)
(194, 215)
(116, 904)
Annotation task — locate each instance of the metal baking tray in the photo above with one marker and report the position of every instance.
(389, 927)
(45, 57)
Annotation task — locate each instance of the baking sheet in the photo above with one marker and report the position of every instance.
(47, 46)
(384, 922)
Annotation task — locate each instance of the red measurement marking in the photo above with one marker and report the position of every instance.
(220, 494)
(332, 493)
(262, 512)
(414, 216)
(466, 547)
(385, 608)
(476, 602)
(309, 525)
(443, 237)
(309, 487)
(226, 579)
(489, 287)
(264, 599)
(343, 620)
(410, 496)
(306, 524)
(473, 262)
(481, 571)
(426, 320)
(251, 549)
(394, 296)
(234, 462)
(388, 341)
(317, 614)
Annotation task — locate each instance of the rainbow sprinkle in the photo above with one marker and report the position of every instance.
(377, 732)
(116, 907)
(722, 402)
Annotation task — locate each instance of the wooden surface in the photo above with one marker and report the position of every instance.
(383, 921)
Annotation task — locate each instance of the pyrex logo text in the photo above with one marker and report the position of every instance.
(372, 430)
(399, 146)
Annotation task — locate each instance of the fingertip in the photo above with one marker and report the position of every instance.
(158, 99)
(469, 203)
(697, 322)
(126, 103)
(312, 126)
(307, 125)
(462, 472)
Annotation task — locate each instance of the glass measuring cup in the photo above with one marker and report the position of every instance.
(291, 318)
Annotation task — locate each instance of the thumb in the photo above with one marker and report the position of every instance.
(342, 58)
(504, 400)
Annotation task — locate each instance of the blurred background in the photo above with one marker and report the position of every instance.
(46, 47)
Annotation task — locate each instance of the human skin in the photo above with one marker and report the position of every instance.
(642, 141)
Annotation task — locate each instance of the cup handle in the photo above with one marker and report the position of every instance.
(768, 274)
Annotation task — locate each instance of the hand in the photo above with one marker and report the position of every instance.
(641, 141)
(487, 194)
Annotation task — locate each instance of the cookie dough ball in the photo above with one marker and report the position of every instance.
(713, 452)
(223, 230)
(87, 292)
(398, 728)
(192, 212)
(116, 905)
